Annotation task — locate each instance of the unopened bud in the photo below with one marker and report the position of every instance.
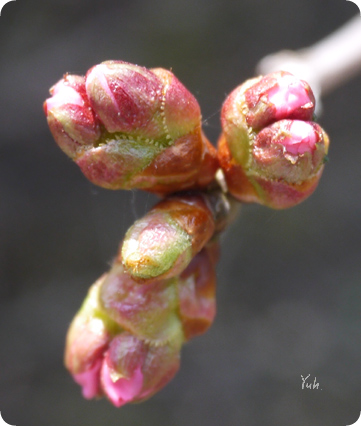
(292, 150)
(88, 337)
(197, 292)
(125, 341)
(150, 133)
(70, 117)
(133, 370)
(163, 242)
(89, 333)
(277, 96)
(146, 311)
(278, 165)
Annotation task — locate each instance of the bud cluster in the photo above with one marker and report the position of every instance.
(129, 127)
(125, 341)
(270, 149)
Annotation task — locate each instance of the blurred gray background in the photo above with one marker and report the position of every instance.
(289, 291)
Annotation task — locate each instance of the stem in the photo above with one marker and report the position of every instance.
(324, 65)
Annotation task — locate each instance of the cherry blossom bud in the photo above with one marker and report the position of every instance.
(88, 337)
(146, 311)
(70, 117)
(197, 291)
(277, 96)
(270, 151)
(125, 341)
(146, 129)
(134, 370)
(163, 242)
(125, 331)
(90, 331)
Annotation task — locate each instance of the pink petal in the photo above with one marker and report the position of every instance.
(288, 95)
(90, 380)
(122, 390)
(98, 73)
(63, 95)
(302, 138)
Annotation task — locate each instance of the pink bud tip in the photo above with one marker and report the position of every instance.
(277, 96)
(288, 95)
(270, 150)
(62, 95)
(70, 118)
(97, 73)
(302, 138)
(289, 151)
(90, 380)
(121, 390)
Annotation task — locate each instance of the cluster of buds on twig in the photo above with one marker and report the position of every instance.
(125, 341)
(160, 292)
(270, 150)
(129, 127)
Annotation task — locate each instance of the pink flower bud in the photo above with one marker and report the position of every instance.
(89, 334)
(197, 292)
(277, 96)
(133, 370)
(70, 117)
(261, 101)
(121, 375)
(106, 360)
(89, 380)
(154, 138)
(125, 341)
(126, 98)
(279, 165)
(289, 150)
(147, 103)
(129, 127)
(146, 311)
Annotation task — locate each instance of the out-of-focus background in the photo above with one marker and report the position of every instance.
(289, 291)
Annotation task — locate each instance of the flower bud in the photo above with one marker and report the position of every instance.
(278, 165)
(125, 341)
(99, 352)
(277, 96)
(162, 243)
(134, 370)
(197, 291)
(148, 312)
(90, 331)
(121, 374)
(88, 337)
(70, 117)
(150, 133)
